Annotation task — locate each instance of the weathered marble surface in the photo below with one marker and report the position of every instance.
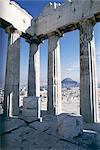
(53, 17)
(11, 94)
(30, 136)
(31, 107)
(64, 125)
(48, 124)
(69, 126)
(54, 75)
(90, 138)
(88, 77)
(8, 124)
(34, 70)
(92, 126)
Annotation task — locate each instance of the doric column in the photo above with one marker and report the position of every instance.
(34, 70)
(12, 78)
(88, 81)
(54, 75)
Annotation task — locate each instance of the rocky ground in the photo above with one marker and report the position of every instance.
(29, 134)
(23, 133)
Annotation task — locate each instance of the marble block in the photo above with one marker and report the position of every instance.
(69, 126)
(31, 106)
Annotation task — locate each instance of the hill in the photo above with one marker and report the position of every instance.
(69, 83)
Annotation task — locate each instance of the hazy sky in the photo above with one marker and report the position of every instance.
(69, 44)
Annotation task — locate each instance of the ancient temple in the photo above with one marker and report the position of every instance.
(55, 20)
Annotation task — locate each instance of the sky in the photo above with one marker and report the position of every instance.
(69, 49)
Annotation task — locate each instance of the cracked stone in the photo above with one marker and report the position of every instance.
(64, 145)
(9, 124)
(69, 126)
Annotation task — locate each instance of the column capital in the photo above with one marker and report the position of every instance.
(86, 28)
(10, 29)
(87, 21)
(56, 33)
(34, 40)
(59, 33)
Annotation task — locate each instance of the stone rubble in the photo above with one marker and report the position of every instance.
(38, 136)
(69, 126)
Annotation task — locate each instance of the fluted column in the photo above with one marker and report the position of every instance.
(88, 78)
(12, 79)
(34, 70)
(54, 75)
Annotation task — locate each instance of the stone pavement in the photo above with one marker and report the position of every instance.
(27, 134)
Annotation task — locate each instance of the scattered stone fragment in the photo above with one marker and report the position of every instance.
(92, 126)
(69, 126)
(89, 138)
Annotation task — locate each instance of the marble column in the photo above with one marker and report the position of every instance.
(12, 79)
(54, 75)
(34, 70)
(88, 78)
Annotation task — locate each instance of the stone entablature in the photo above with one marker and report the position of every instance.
(55, 16)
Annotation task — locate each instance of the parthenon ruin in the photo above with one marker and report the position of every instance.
(55, 20)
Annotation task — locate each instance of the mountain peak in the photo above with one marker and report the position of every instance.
(69, 83)
(68, 79)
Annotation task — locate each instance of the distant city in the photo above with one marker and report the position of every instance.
(67, 82)
(70, 96)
